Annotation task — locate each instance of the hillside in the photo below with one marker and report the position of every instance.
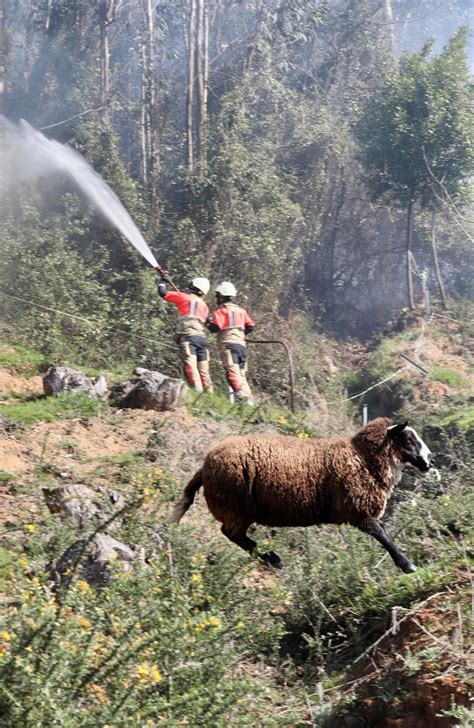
(338, 638)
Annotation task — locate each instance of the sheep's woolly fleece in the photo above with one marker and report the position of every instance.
(284, 481)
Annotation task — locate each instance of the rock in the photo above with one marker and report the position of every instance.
(91, 560)
(82, 505)
(149, 390)
(59, 380)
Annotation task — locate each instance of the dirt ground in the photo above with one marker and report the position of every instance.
(93, 450)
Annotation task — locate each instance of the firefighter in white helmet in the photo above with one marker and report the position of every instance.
(231, 323)
(190, 330)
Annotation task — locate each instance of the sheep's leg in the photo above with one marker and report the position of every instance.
(376, 530)
(241, 539)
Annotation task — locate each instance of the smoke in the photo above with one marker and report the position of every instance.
(27, 157)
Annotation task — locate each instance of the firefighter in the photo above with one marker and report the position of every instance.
(231, 323)
(190, 331)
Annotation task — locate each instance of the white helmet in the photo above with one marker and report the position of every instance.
(226, 289)
(202, 284)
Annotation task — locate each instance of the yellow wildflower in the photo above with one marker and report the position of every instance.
(147, 673)
(82, 586)
(302, 435)
(2, 654)
(282, 420)
(214, 622)
(30, 528)
(5, 635)
(196, 579)
(83, 622)
(141, 671)
(22, 563)
(155, 675)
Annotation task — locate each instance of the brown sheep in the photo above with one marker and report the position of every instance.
(285, 481)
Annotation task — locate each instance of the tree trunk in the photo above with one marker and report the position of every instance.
(151, 112)
(390, 25)
(411, 299)
(104, 72)
(143, 120)
(107, 10)
(3, 47)
(47, 17)
(439, 278)
(190, 88)
(202, 70)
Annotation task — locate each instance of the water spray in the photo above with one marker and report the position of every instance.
(28, 156)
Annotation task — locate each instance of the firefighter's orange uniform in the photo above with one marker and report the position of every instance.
(231, 323)
(190, 337)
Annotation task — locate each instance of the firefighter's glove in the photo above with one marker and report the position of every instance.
(162, 290)
(166, 277)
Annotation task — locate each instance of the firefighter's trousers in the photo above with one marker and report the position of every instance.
(234, 361)
(195, 357)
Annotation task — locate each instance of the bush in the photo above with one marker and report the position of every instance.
(165, 643)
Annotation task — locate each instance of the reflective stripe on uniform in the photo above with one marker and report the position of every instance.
(188, 305)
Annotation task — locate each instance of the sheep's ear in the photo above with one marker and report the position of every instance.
(396, 430)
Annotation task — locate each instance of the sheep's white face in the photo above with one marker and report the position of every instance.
(411, 447)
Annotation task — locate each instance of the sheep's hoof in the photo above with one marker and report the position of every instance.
(409, 568)
(270, 558)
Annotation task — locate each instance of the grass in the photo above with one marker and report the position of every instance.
(24, 361)
(217, 407)
(5, 476)
(463, 417)
(448, 376)
(21, 359)
(5, 561)
(50, 409)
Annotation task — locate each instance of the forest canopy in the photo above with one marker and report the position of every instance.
(276, 144)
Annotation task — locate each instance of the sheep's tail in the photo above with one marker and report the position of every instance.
(188, 498)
